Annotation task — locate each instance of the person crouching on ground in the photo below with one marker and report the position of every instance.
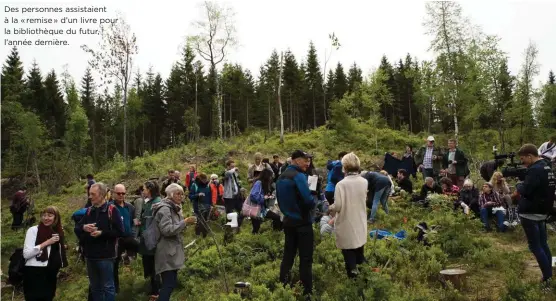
(350, 198)
(379, 187)
(45, 253)
(404, 182)
(170, 256)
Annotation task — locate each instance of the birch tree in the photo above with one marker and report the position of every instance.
(279, 88)
(447, 26)
(113, 59)
(335, 44)
(216, 34)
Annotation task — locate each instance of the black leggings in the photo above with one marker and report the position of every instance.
(353, 257)
(329, 195)
(276, 222)
(149, 272)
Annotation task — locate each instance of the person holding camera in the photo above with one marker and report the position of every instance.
(536, 204)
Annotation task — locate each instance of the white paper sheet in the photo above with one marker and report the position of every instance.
(313, 182)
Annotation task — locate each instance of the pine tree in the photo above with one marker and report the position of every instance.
(547, 110)
(12, 77)
(88, 93)
(55, 114)
(330, 81)
(340, 82)
(291, 89)
(317, 110)
(34, 96)
(176, 105)
(355, 77)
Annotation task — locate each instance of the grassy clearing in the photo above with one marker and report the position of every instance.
(500, 266)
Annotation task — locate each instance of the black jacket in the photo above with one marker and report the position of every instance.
(487, 169)
(406, 185)
(103, 246)
(426, 189)
(537, 191)
(469, 197)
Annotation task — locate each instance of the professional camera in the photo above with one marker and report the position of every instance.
(513, 169)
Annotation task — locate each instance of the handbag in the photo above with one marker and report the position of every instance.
(249, 209)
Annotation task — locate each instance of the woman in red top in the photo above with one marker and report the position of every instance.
(448, 187)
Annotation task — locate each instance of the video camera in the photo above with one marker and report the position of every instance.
(513, 169)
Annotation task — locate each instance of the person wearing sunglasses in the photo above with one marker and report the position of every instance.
(127, 243)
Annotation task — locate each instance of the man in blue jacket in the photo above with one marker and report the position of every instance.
(335, 175)
(296, 202)
(536, 204)
(99, 231)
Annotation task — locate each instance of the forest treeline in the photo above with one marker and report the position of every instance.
(55, 129)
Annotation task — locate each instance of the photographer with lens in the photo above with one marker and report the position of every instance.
(536, 204)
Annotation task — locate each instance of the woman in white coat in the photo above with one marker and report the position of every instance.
(350, 224)
(45, 253)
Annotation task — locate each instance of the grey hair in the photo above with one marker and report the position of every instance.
(429, 179)
(468, 182)
(177, 173)
(173, 188)
(350, 162)
(102, 189)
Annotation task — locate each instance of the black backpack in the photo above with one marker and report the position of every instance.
(16, 267)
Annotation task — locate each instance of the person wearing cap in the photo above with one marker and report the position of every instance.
(296, 203)
(491, 205)
(217, 190)
(429, 159)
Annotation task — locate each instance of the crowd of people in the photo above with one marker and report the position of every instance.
(112, 231)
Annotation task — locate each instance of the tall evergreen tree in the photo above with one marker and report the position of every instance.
(329, 87)
(355, 77)
(547, 110)
(291, 89)
(12, 77)
(88, 93)
(315, 109)
(34, 96)
(176, 105)
(340, 82)
(55, 114)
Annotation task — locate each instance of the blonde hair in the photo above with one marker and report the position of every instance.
(351, 163)
(494, 180)
(258, 156)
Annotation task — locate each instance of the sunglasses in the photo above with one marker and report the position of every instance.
(120, 193)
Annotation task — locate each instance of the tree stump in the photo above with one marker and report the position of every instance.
(456, 276)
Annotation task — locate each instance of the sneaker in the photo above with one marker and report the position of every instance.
(507, 224)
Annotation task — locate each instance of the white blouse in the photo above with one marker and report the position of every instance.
(31, 251)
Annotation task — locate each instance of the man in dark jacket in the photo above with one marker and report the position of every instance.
(536, 204)
(429, 187)
(429, 159)
(378, 192)
(454, 163)
(296, 202)
(99, 231)
(127, 242)
(404, 181)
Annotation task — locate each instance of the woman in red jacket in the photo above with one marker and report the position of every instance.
(217, 190)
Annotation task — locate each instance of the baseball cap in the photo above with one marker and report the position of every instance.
(300, 154)
(430, 138)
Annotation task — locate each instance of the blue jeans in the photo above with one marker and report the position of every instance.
(487, 212)
(537, 240)
(101, 279)
(169, 282)
(380, 197)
